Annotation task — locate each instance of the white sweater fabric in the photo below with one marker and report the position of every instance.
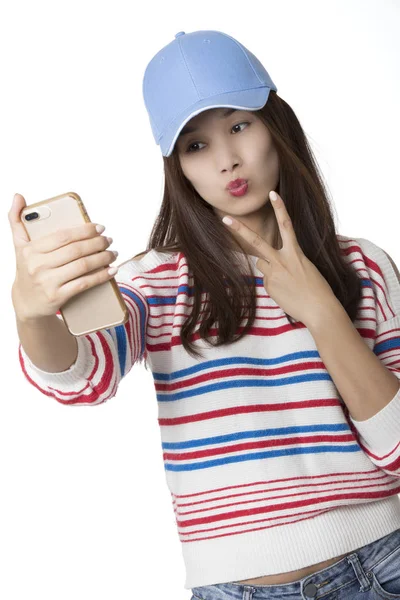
(267, 470)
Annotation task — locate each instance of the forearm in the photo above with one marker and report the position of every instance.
(364, 383)
(48, 343)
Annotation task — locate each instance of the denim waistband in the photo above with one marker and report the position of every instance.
(355, 565)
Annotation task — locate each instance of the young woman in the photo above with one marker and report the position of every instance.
(273, 342)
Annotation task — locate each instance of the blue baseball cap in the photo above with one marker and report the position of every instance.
(198, 71)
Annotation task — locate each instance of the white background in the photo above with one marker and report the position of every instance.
(85, 510)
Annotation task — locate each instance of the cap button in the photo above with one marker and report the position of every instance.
(180, 33)
(310, 590)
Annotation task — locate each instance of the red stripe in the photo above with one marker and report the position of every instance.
(276, 443)
(287, 506)
(237, 410)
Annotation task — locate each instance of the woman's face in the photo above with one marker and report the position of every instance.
(224, 148)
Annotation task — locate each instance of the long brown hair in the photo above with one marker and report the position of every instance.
(188, 224)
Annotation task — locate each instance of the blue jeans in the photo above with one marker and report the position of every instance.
(370, 573)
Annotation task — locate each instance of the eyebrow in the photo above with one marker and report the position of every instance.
(188, 129)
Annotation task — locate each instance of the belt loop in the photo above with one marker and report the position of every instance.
(248, 592)
(359, 571)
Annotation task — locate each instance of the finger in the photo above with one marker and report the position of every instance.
(254, 239)
(283, 219)
(63, 237)
(20, 236)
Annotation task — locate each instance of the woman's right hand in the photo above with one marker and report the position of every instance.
(56, 267)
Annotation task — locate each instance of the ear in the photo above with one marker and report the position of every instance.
(396, 270)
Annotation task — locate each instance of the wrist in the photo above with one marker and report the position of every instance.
(323, 314)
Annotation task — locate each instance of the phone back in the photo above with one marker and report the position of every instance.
(99, 307)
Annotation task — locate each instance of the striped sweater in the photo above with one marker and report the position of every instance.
(267, 471)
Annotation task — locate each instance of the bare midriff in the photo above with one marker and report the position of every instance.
(291, 576)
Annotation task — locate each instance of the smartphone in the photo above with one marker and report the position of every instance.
(97, 308)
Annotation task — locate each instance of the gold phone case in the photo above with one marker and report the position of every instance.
(99, 307)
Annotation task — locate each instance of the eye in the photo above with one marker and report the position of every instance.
(189, 151)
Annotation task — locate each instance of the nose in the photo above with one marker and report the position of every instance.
(232, 168)
(229, 163)
(227, 155)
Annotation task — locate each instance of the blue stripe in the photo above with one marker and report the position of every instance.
(121, 334)
(240, 383)
(387, 345)
(366, 282)
(235, 360)
(259, 455)
(121, 345)
(222, 439)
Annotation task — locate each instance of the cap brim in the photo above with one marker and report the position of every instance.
(253, 99)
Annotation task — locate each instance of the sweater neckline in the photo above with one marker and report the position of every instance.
(153, 259)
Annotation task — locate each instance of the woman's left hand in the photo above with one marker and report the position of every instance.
(290, 278)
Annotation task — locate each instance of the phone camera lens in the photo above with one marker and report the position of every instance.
(30, 216)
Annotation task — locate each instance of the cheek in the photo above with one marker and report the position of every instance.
(200, 183)
(189, 173)
(201, 180)
(269, 160)
(182, 164)
(274, 162)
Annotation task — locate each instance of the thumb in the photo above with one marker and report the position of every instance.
(20, 236)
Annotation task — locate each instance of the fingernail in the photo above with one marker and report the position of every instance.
(100, 228)
(112, 271)
(227, 221)
(273, 196)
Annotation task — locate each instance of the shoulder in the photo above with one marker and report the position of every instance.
(368, 247)
(379, 253)
(375, 264)
(395, 268)
(137, 257)
(148, 260)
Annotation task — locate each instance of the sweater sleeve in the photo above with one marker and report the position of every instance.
(104, 357)
(380, 434)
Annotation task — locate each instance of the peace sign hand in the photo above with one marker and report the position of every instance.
(290, 278)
